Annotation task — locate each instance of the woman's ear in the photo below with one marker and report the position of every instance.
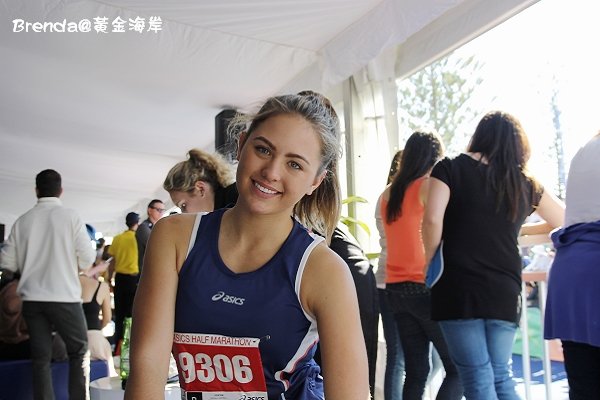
(200, 187)
(318, 179)
(241, 142)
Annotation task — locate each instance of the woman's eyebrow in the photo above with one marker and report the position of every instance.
(271, 145)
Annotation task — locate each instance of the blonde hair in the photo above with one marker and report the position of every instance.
(200, 166)
(320, 211)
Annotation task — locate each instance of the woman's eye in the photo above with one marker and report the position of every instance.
(263, 150)
(295, 165)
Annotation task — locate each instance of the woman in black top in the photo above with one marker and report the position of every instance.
(477, 204)
(95, 296)
(203, 182)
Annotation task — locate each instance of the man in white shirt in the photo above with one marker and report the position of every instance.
(47, 245)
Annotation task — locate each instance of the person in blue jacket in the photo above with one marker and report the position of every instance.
(573, 304)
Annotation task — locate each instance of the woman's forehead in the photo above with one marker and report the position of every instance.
(288, 131)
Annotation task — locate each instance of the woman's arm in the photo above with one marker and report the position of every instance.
(382, 241)
(424, 191)
(433, 219)
(552, 210)
(154, 308)
(328, 293)
(105, 304)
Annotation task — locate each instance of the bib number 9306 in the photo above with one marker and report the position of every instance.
(220, 366)
(217, 364)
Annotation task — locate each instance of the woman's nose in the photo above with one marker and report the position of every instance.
(271, 171)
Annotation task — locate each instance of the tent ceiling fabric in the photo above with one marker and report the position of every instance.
(112, 112)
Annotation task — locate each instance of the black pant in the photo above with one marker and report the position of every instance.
(370, 326)
(582, 363)
(125, 287)
(411, 304)
(69, 321)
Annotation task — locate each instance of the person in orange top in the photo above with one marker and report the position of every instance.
(402, 208)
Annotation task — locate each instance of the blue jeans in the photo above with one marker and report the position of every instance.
(394, 363)
(482, 352)
(411, 303)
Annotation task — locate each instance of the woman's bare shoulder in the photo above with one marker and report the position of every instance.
(325, 272)
(173, 226)
(104, 291)
(175, 221)
(323, 256)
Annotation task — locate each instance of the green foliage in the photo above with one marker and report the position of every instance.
(350, 222)
(354, 199)
(438, 97)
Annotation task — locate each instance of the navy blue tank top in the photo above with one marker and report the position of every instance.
(211, 299)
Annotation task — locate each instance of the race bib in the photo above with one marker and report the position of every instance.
(215, 367)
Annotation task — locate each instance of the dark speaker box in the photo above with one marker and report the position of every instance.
(223, 144)
(1, 233)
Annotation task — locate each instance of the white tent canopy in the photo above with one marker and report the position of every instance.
(112, 112)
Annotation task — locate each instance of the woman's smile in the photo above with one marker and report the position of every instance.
(264, 189)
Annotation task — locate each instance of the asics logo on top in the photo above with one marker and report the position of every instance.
(245, 397)
(220, 295)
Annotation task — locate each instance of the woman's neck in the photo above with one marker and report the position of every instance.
(256, 227)
(248, 241)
